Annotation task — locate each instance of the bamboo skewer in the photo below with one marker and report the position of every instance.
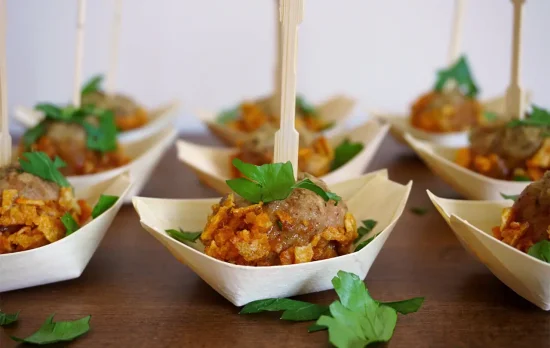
(110, 83)
(287, 138)
(456, 34)
(79, 51)
(5, 138)
(514, 94)
(278, 63)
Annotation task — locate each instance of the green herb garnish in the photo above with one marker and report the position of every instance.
(7, 319)
(460, 73)
(511, 197)
(419, 211)
(368, 226)
(541, 251)
(490, 116)
(365, 243)
(39, 164)
(305, 107)
(271, 182)
(521, 178)
(292, 310)
(61, 331)
(70, 223)
(229, 115)
(103, 204)
(538, 117)
(356, 318)
(183, 236)
(345, 152)
(92, 85)
(32, 135)
(100, 137)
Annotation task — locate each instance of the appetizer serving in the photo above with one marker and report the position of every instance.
(451, 106)
(333, 158)
(526, 225)
(84, 138)
(518, 150)
(249, 117)
(38, 204)
(316, 155)
(277, 221)
(237, 124)
(128, 114)
(511, 241)
(301, 236)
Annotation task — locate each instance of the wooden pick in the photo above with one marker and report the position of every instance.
(79, 51)
(456, 34)
(287, 138)
(5, 138)
(514, 94)
(276, 98)
(110, 84)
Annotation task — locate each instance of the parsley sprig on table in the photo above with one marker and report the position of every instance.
(461, 74)
(8, 319)
(272, 182)
(355, 320)
(100, 135)
(59, 331)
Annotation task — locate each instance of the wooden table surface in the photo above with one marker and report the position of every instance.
(140, 296)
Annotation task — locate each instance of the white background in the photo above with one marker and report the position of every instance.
(213, 53)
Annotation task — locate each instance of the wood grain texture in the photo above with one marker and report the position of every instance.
(140, 296)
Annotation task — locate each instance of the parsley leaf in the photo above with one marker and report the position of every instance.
(354, 321)
(490, 116)
(39, 164)
(61, 331)
(51, 111)
(271, 182)
(292, 310)
(103, 204)
(305, 107)
(7, 319)
(183, 236)
(419, 211)
(101, 138)
(310, 185)
(344, 153)
(511, 197)
(538, 117)
(364, 243)
(70, 223)
(32, 135)
(460, 73)
(92, 85)
(541, 251)
(521, 178)
(368, 226)
(229, 115)
(406, 306)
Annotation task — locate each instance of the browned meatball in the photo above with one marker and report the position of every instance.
(119, 104)
(533, 206)
(28, 185)
(301, 228)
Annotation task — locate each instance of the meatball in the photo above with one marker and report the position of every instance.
(447, 111)
(301, 228)
(27, 185)
(532, 209)
(514, 145)
(128, 114)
